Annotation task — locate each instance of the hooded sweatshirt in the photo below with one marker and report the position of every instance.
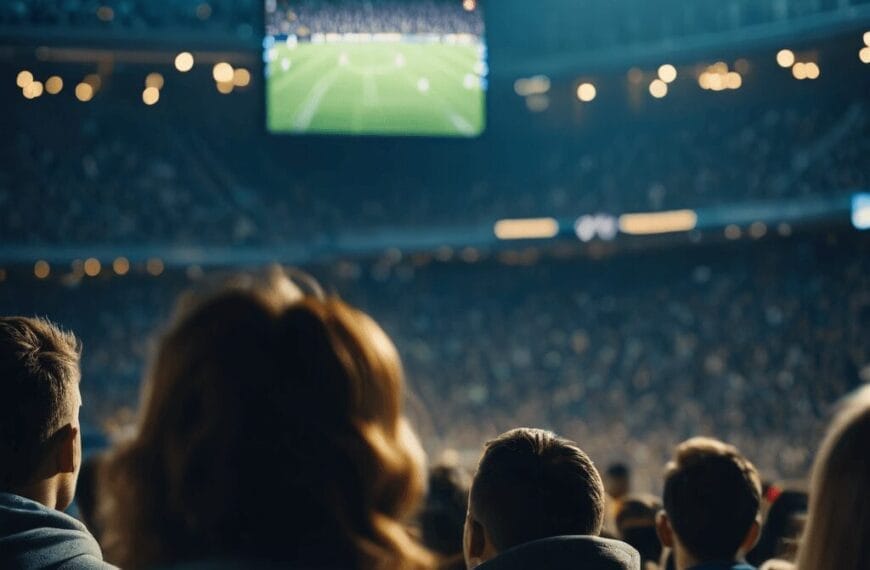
(35, 537)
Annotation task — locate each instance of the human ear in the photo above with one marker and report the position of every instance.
(67, 449)
(752, 536)
(664, 530)
(473, 542)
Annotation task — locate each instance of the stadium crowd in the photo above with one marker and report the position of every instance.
(276, 429)
(308, 17)
(89, 183)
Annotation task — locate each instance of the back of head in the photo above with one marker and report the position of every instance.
(272, 428)
(531, 484)
(712, 496)
(39, 376)
(617, 480)
(443, 515)
(636, 523)
(839, 514)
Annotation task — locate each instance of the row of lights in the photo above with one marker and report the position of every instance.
(718, 77)
(92, 267)
(226, 77)
(786, 58)
(864, 52)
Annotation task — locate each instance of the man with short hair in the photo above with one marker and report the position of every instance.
(712, 503)
(40, 448)
(537, 501)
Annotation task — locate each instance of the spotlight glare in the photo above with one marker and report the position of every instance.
(785, 58)
(667, 73)
(184, 61)
(586, 92)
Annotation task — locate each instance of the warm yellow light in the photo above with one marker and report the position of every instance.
(94, 81)
(704, 80)
(864, 54)
(222, 72)
(719, 67)
(41, 269)
(658, 222)
(184, 61)
(586, 92)
(537, 103)
(105, 13)
(667, 73)
(812, 70)
(535, 85)
(469, 5)
(84, 92)
(92, 267)
(24, 78)
(799, 71)
(150, 95)
(785, 58)
(658, 88)
(154, 80)
(154, 266)
(528, 228)
(121, 266)
(33, 90)
(733, 80)
(733, 231)
(225, 87)
(867, 38)
(53, 85)
(241, 77)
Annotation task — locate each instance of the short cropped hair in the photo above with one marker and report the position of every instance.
(531, 484)
(712, 495)
(39, 373)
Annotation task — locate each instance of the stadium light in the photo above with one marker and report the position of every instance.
(864, 54)
(41, 269)
(535, 85)
(812, 70)
(861, 211)
(733, 80)
(94, 80)
(184, 61)
(84, 92)
(241, 77)
(24, 78)
(658, 222)
(658, 88)
(867, 38)
(799, 71)
(528, 228)
(667, 73)
(469, 5)
(92, 267)
(121, 266)
(155, 80)
(33, 90)
(53, 85)
(785, 58)
(222, 72)
(150, 95)
(586, 92)
(225, 87)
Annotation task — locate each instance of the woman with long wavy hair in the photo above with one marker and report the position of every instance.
(837, 534)
(272, 433)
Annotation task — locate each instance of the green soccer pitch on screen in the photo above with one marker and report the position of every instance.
(384, 67)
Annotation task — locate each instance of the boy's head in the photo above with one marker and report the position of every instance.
(530, 485)
(40, 441)
(712, 499)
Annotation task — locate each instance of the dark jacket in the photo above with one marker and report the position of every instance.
(567, 553)
(34, 537)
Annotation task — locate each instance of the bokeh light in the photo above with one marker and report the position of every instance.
(864, 54)
(184, 61)
(154, 80)
(667, 73)
(586, 92)
(84, 92)
(222, 72)
(241, 77)
(41, 269)
(154, 266)
(53, 85)
(785, 58)
(24, 78)
(92, 267)
(121, 266)
(33, 90)
(658, 88)
(150, 95)
(812, 70)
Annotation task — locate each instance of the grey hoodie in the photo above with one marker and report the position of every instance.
(35, 537)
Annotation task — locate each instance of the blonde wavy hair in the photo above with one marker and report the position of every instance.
(838, 521)
(272, 428)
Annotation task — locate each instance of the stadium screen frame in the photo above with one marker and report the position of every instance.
(312, 86)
